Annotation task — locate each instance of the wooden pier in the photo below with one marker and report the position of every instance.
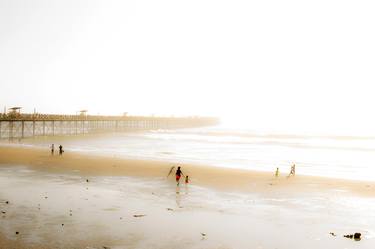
(31, 125)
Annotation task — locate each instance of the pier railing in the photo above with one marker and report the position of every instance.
(15, 126)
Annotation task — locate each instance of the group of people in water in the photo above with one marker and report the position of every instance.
(61, 151)
(291, 173)
(179, 174)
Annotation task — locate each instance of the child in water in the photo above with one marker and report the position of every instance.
(186, 179)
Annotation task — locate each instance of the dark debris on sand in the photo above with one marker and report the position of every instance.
(355, 236)
(139, 215)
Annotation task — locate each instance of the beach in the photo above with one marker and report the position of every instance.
(345, 157)
(85, 201)
(187, 124)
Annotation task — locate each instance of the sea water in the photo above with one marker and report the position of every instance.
(349, 157)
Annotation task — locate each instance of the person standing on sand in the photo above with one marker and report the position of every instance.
(60, 150)
(292, 170)
(186, 179)
(178, 175)
(52, 149)
(277, 172)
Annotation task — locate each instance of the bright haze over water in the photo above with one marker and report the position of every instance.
(296, 66)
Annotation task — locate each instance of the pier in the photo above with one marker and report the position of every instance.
(17, 126)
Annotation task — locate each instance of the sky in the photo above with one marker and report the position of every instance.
(270, 64)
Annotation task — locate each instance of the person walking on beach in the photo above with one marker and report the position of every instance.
(178, 175)
(277, 172)
(186, 179)
(60, 150)
(292, 170)
(52, 149)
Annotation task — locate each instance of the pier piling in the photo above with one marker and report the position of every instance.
(32, 125)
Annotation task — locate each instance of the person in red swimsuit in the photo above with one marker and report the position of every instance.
(178, 175)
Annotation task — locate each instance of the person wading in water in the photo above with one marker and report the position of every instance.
(178, 175)
(61, 150)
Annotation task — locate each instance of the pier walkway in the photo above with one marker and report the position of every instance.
(16, 125)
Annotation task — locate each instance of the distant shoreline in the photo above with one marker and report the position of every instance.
(204, 175)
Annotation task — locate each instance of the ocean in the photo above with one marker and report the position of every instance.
(347, 157)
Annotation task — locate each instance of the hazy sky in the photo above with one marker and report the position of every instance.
(277, 64)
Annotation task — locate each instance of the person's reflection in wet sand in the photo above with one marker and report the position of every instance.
(187, 181)
(186, 189)
(178, 197)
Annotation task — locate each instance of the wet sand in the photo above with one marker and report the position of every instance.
(234, 208)
(222, 178)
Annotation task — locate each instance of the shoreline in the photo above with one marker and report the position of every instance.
(204, 175)
(310, 161)
(131, 204)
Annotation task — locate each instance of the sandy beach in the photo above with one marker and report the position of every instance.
(265, 106)
(84, 201)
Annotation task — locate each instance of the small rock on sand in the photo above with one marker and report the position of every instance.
(203, 236)
(139, 215)
(356, 236)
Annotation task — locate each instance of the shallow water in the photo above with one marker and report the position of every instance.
(102, 211)
(350, 157)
